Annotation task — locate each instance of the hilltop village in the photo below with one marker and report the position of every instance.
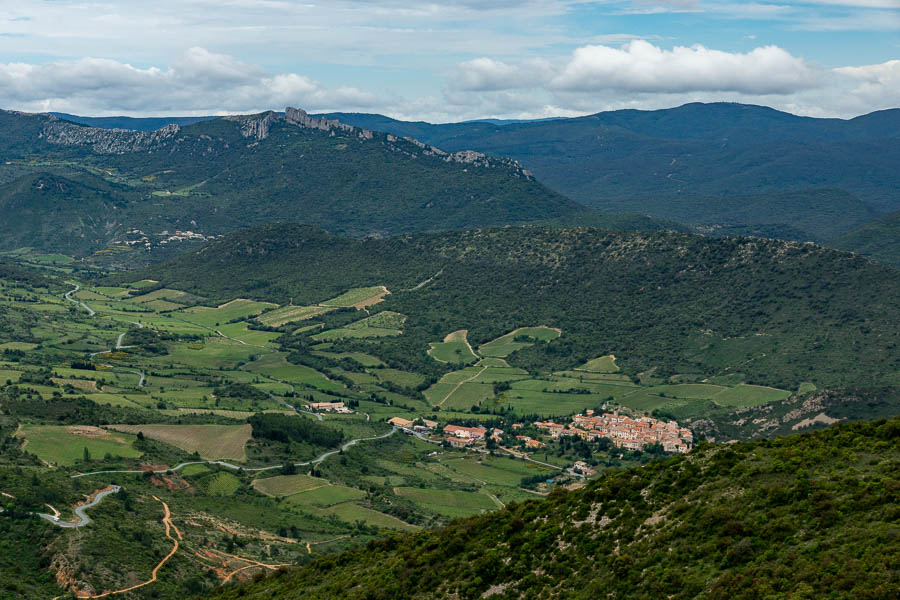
(622, 432)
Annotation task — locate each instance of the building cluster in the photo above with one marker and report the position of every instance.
(337, 407)
(624, 432)
(419, 425)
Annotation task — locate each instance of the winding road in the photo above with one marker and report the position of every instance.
(68, 296)
(83, 519)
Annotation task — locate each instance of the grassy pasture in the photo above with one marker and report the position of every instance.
(276, 366)
(496, 470)
(64, 445)
(366, 360)
(350, 512)
(358, 297)
(467, 395)
(239, 308)
(170, 295)
(386, 323)
(749, 395)
(689, 390)
(25, 346)
(454, 349)
(287, 485)
(210, 441)
(143, 283)
(222, 484)
(603, 364)
(405, 379)
(450, 503)
(289, 314)
(505, 345)
(327, 495)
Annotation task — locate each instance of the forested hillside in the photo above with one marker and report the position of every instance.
(805, 516)
(662, 301)
(693, 163)
(879, 240)
(78, 189)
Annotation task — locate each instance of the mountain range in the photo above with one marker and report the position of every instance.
(720, 169)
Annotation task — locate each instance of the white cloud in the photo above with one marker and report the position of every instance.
(643, 76)
(639, 66)
(198, 82)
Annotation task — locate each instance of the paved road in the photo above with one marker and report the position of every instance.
(228, 465)
(83, 519)
(68, 296)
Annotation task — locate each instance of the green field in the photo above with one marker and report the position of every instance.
(222, 484)
(450, 503)
(454, 349)
(749, 395)
(383, 324)
(350, 512)
(64, 445)
(604, 364)
(290, 314)
(505, 345)
(210, 441)
(358, 297)
(287, 485)
(327, 495)
(216, 317)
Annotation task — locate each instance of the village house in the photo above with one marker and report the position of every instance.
(475, 433)
(624, 432)
(400, 422)
(529, 442)
(457, 442)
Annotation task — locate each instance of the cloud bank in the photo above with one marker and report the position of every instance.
(636, 74)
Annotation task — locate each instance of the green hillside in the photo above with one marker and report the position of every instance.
(879, 240)
(774, 312)
(680, 163)
(806, 516)
(218, 175)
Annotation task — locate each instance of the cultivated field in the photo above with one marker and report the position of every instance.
(455, 349)
(287, 485)
(505, 345)
(64, 445)
(212, 442)
(358, 297)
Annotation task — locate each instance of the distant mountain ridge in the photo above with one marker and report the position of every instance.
(679, 163)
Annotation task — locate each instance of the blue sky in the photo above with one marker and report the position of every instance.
(447, 61)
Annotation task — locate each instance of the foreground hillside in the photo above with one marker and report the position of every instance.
(808, 516)
(78, 189)
(768, 312)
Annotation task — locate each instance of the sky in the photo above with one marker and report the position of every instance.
(446, 61)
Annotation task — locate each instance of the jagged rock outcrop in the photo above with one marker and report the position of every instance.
(106, 141)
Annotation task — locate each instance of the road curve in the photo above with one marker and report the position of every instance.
(228, 465)
(68, 296)
(83, 519)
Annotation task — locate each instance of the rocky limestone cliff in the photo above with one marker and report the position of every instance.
(258, 127)
(106, 141)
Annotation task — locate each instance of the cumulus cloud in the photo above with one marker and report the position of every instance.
(639, 66)
(198, 82)
(641, 75)
(642, 67)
